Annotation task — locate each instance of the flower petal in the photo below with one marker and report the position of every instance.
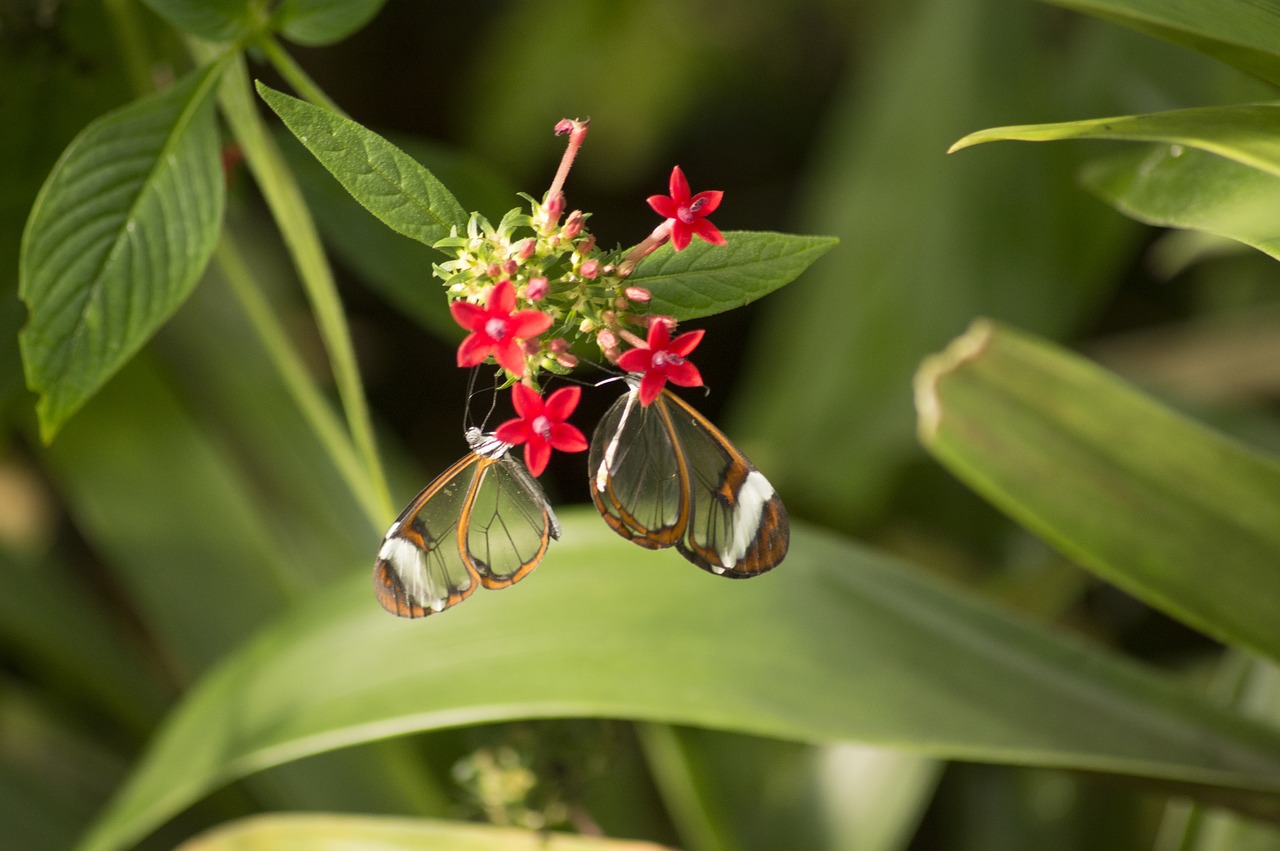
(662, 205)
(514, 432)
(502, 298)
(681, 235)
(537, 453)
(684, 374)
(525, 324)
(659, 336)
(526, 401)
(568, 438)
(679, 187)
(686, 342)
(561, 403)
(651, 386)
(635, 360)
(706, 202)
(474, 349)
(510, 356)
(708, 231)
(468, 315)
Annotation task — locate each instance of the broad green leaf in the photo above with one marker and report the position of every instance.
(1192, 189)
(386, 181)
(1243, 33)
(212, 20)
(319, 22)
(327, 832)
(705, 279)
(837, 644)
(1248, 133)
(118, 237)
(1173, 513)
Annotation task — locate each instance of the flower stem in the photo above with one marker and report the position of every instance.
(285, 201)
(295, 76)
(297, 379)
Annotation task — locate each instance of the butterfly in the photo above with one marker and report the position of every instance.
(664, 476)
(484, 521)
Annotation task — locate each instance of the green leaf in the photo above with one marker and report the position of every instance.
(836, 645)
(1173, 513)
(212, 20)
(1247, 133)
(327, 832)
(1243, 33)
(386, 181)
(706, 279)
(319, 22)
(118, 237)
(1192, 189)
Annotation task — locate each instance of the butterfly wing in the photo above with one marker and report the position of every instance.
(738, 526)
(509, 524)
(639, 482)
(420, 568)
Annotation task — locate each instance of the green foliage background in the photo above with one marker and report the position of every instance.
(1027, 442)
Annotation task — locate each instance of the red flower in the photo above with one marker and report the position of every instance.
(497, 329)
(541, 425)
(688, 215)
(663, 360)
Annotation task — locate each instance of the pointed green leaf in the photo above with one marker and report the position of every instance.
(1243, 33)
(1192, 189)
(386, 181)
(705, 279)
(118, 237)
(837, 644)
(1173, 513)
(212, 20)
(329, 832)
(319, 22)
(1248, 133)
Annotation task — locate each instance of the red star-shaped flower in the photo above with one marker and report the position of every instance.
(688, 215)
(497, 329)
(541, 425)
(663, 359)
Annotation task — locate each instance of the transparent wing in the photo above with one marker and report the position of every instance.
(509, 524)
(639, 483)
(737, 526)
(420, 569)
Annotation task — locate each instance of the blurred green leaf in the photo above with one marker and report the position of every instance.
(705, 279)
(328, 832)
(926, 243)
(1171, 512)
(1248, 133)
(386, 181)
(212, 20)
(1192, 189)
(1243, 33)
(896, 658)
(118, 237)
(319, 22)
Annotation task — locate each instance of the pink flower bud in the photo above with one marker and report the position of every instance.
(554, 207)
(637, 294)
(589, 269)
(564, 126)
(584, 247)
(510, 266)
(493, 270)
(659, 319)
(531, 347)
(566, 360)
(536, 289)
(573, 225)
(525, 248)
(607, 339)
(558, 345)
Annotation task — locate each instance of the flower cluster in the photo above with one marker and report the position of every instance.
(535, 285)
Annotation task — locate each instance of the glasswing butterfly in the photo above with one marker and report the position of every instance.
(484, 521)
(664, 476)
